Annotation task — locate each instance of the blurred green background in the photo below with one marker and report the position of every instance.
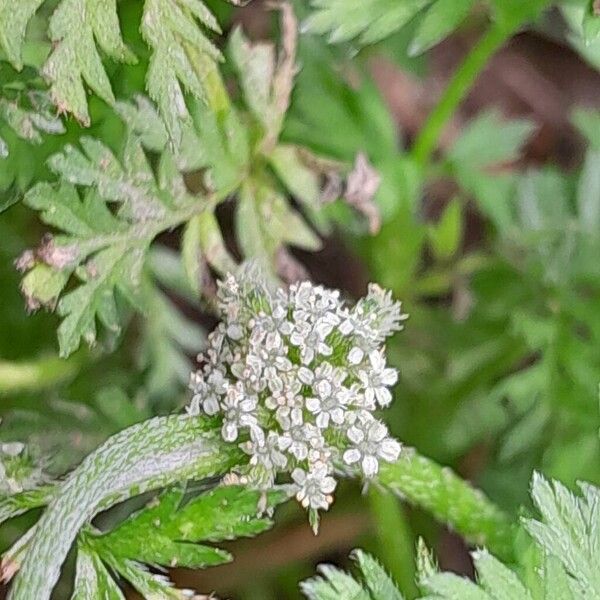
(493, 246)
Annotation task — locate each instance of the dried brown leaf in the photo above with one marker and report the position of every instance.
(361, 186)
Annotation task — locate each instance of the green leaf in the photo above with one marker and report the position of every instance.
(76, 26)
(26, 113)
(449, 586)
(30, 122)
(42, 286)
(14, 17)
(151, 455)
(168, 530)
(149, 585)
(334, 584)
(264, 222)
(556, 584)
(488, 141)
(368, 20)
(266, 78)
(299, 179)
(17, 504)
(591, 22)
(497, 578)
(446, 235)
(569, 531)
(224, 513)
(566, 540)
(92, 580)
(182, 56)
(203, 242)
(255, 64)
(576, 15)
(168, 339)
(105, 251)
(223, 149)
(144, 122)
(380, 584)
(441, 19)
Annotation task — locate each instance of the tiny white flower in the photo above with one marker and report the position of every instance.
(298, 439)
(283, 364)
(235, 331)
(238, 411)
(371, 442)
(315, 487)
(355, 355)
(193, 408)
(305, 375)
(265, 451)
(376, 378)
(325, 409)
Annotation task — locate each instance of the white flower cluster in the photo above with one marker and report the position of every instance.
(295, 377)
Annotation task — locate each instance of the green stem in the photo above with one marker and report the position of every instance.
(451, 500)
(147, 456)
(395, 540)
(35, 375)
(458, 88)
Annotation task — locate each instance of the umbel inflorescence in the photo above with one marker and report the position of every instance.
(295, 376)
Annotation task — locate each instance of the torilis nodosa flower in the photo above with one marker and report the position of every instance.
(295, 377)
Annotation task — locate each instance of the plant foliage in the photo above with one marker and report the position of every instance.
(106, 249)
(374, 20)
(161, 155)
(167, 533)
(564, 567)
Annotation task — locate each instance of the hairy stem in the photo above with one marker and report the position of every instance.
(451, 500)
(458, 88)
(144, 457)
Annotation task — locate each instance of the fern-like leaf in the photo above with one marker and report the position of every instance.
(26, 112)
(333, 583)
(369, 21)
(569, 531)
(566, 551)
(107, 230)
(14, 17)
(182, 55)
(105, 251)
(168, 532)
(92, 579)
(76, 26)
